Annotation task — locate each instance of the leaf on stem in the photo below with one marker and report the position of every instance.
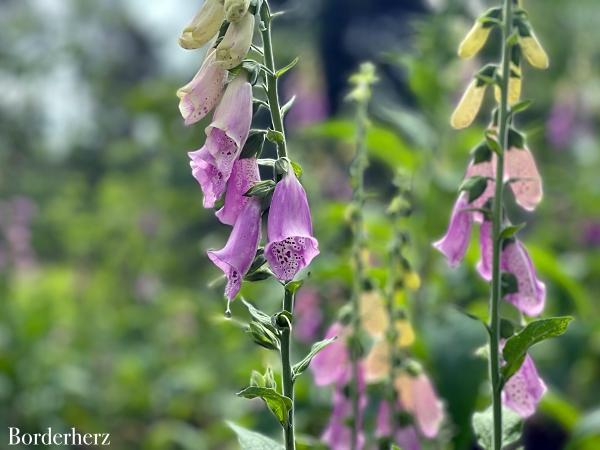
(251, 440)
(483, 425)
(316, 348)
(279, 405)
(475, 186)
(516, 347)
(290, 66)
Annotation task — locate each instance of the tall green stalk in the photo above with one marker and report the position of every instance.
(494, 325)
(287, 380)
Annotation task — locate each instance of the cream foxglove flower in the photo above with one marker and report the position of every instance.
(234, 47)
(204, 26)
(469, 105)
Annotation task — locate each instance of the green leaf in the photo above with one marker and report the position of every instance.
(475, 186)
(293, 286)
(254, 144)
(258, 315)
(259, 275)
(261, 189)
(483, 425)
(285, 108)
(251, 440)
(516, 347)
(263, 336)
(276, 137)
(279, 405)
(516, 139)
(290, 66)
(297, 169)
(513, 39)
(316, 348)
(520, 106)
(492, 142)
(482, 153)
(510, 231)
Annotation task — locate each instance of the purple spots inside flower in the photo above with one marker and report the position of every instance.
(288, 256)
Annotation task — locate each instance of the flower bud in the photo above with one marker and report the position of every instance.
(533, 51)
(232, 50)
(204, 25)
(474, 40)
(469, 105)
(236, 9)
(514, 87)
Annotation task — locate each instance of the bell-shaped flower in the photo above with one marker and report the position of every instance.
(533, 50)
(377, 362)
(332, 364)
(243, 176)
(338, 434)
(474, 40)
(469, 105)
(525, 180)
(373, 314)
(483, 169)
(524, 390)
(417, 395)
(291, 245)
(236, 9)
(514, 86)
(232, 50)
(531, 296)
(209, 174)
(456, 241)
(201, 95)
(204, 26)
(386, 426)
(486, 247)
(236, 257)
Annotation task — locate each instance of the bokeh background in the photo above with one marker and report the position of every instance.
(109, 321)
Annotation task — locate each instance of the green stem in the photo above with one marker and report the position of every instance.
(358, 168)
(287, 381)
(503, 119)
(272, 90)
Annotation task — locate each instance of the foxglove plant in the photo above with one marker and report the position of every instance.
(227, 170)
(502, 159)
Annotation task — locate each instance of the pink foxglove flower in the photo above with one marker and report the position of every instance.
(243, 176)
(483, 169)
(527, 184)
(236, 257)
(524, 390)
(531, 296)
(454, 244)
(406, 437)
(338, 434)
(291, 245)
(226, 135)
(201, 95)
(418, 396)
(332, 364)
(486, 245)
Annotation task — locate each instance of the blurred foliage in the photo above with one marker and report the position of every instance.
(107, 320)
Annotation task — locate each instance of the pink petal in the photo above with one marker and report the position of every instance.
(521, 165)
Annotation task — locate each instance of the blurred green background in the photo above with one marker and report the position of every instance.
(108, 319)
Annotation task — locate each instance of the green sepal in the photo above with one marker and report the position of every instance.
(482, 153)
(508, 284)
(263, 336)
(520, 106)
(276, 137)
(262, 189)
(254, 144)
(491, 17)
(510, 230)
(516, 139)
(475, 186)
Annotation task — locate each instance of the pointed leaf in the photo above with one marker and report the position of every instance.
(316, 348)
(251, 440)
(483, 425)
(279, 405)
(516, 347)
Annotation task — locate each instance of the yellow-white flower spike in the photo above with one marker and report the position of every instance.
(474, 40)
(406, 334)
(412, 281)
(236, 9)
(204, 25)
(469, 106)
(234, 47)
(373, 315)
(534, 52)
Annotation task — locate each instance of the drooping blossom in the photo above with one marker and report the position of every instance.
(338, 434)
(456, 241)
(527, 184)
(226, 135)
(483, 169)
(235, 9)
(531, 295)
(234, 46)
(308, 314)
(474, 40)
(291, 245)
(236, 257)
(417, 395)
(332, 365)
(524, 390)
(533, 50)
(243, 176)
(469, 105)
(404, 436)
(201, 95)
(486, 246)
(204, 26)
